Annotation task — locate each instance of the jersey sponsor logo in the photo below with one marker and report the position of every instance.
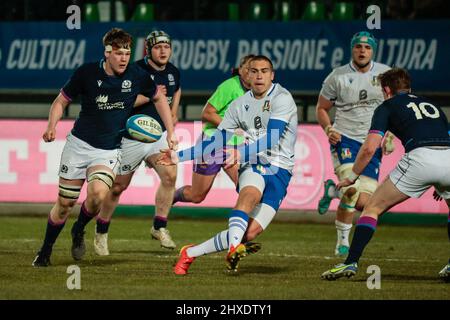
(346, 153)
(101, 99)
(126, 86)
(99, 82)
(103, 104)
(266, 106)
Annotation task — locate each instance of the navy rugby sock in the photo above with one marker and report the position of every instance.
(83, 218)
(364, 231)
(159, 222)
(51, 233)
(102, 226)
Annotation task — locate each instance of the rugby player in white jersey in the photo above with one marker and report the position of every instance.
(355, 93)
(267, 115)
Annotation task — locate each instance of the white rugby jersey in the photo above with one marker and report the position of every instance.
(356, 96)
(252, 116)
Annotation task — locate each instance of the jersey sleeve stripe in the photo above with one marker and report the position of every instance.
(381, 133)
(66, 96)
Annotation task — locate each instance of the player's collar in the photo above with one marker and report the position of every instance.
(269, 92)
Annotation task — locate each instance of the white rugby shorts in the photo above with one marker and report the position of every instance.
(78, 156)
(422, 168)
(134, 152)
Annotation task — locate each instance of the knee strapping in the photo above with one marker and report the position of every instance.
(350, 194)
(69, 192)
(104, 176)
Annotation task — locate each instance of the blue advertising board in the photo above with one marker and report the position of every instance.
(43, 55)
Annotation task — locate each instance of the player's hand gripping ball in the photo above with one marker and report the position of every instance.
(144, 128)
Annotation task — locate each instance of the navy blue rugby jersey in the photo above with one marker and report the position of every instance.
(169, 77)
(106, 102)
(416, 121)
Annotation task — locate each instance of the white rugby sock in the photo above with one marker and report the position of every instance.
(237, 225)
(343, 233)
(216, 244)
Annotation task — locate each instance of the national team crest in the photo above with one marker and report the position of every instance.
(375, 81)
(266, 106)
(261, 169)
(126, 86)
(346, 153)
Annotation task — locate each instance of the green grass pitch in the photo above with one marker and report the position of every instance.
(288, 266)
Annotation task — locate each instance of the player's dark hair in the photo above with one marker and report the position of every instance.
(397, 79)
(263, 58)
(118, 38)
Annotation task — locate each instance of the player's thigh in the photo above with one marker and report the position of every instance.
(251, 189)
(121, 182)
(201, 184)
(233, 173)
(385, 197)
(167, 174)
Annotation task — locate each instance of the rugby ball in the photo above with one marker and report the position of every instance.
(144, 128)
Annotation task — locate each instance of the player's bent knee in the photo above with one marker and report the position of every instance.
(65, 205)
(198, 198)
(168, 179)
(117, 189)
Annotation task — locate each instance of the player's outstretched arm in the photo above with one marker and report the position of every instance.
(247, 152)
(163, 108)
(56, 112)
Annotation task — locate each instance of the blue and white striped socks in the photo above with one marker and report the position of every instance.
(237, 225)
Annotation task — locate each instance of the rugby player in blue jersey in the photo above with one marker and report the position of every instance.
(167, 77)
(108, 90)
(422, 128)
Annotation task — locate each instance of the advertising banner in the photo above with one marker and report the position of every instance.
(42, 56)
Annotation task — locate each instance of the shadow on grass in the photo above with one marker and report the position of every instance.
(263, 270)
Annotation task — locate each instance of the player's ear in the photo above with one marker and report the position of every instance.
(272, 76)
